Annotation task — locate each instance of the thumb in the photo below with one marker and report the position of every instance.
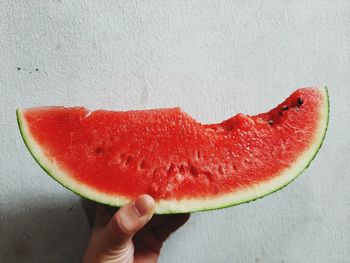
(127, 221)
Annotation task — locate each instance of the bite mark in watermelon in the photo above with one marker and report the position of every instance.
(113, 156)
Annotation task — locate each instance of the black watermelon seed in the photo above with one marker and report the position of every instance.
(18, 68)
(284, 107)
(270, 122)
(300, 101)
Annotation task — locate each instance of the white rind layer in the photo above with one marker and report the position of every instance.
(184, 205)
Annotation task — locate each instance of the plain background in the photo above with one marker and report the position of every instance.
(212, 58)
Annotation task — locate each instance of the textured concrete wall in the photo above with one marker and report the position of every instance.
(214, 59)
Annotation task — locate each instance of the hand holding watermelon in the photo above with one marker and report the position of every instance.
(130, 235)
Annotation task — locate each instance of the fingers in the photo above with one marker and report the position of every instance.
(171, 224)
(127, 221)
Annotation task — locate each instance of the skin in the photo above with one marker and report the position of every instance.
(131, 234)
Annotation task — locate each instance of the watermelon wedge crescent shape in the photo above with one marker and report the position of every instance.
(111, 157)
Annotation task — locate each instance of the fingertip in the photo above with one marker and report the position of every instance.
(132, 217)
(144, 205)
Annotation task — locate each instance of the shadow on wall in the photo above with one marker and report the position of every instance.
(42, 230)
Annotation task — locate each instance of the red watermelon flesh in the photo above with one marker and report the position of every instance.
(114, 156)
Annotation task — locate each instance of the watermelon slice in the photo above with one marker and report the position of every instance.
(113, 156)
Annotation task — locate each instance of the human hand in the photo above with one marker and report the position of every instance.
(130, 235)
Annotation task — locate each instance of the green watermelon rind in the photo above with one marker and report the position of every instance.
(187, 205)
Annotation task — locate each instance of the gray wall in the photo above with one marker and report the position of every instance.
(214, 59)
